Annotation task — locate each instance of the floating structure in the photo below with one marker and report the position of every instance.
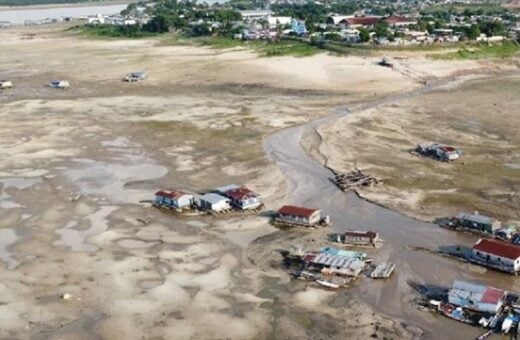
(453, 312)
(214, 202)
(476, 297)
(347, 181)
(358, 238)
(334, 264)
(135, 76)
(344, 253)
(174, 199)
(59, 84)
(241, 197)
(383, 271)
(474, 222)
(496, 254)
(298, 216)
(438, 151)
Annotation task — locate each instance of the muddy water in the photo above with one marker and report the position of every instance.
(310, 186)
(7, 238)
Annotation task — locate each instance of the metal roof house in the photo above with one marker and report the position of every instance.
(297, 215)
(173, 199)
(362, 238)
(505, 256)
(476, 222)
(344, 253)
(214, 202)
(336, 264)
(476, 297)
(243, 198)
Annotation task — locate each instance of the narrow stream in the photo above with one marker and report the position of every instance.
(310, 186)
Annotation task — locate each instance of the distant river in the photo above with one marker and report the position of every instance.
(18, 16)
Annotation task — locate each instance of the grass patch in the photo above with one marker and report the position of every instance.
(110, 31)
(482, 51)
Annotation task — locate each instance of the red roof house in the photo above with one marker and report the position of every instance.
(299, 215)
(498, 248)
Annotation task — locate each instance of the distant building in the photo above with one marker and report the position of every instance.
(476, 297)
(498, 254)
(298, 27)
(173, 199)
(214, 202)
(274, 21)
(366, 21)
(400, 21)
(251, 15)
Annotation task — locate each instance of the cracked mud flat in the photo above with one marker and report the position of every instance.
(74, 165)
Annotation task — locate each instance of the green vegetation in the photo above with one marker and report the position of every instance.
(482, 51)
(264, 48)
(110, 31)
(40, 2)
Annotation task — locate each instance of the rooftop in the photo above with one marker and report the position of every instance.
(296, 211)
(173, 194)
(476, 293)
(353, 233)
(241, 193)
(502, 249)
(213, 198)
(476, 218)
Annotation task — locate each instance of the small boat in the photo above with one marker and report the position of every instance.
(383, 271)
(453, 312)
(328, 284)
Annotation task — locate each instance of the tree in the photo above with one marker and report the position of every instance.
(364, 34)
(473, 32)
(381, 29)
(159, 24)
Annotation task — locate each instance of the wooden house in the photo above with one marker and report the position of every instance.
(173, 199)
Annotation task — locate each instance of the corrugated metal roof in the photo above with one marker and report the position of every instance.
(226, 188)
(296, 211)
(498, 248)
(367, 234)
(213, 198)
(173, 194)
(481, 219)
(476, 293)
(241, 193)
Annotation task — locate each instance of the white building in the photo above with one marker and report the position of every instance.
(278, 21)
(498, 254)
(255, 15)
(214, 202)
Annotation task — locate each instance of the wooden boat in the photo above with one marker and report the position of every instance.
(453, 312)
(328, 284)
(383, 271)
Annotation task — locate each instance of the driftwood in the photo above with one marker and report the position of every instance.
(347, 181)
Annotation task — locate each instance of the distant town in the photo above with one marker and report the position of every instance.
(337, 22)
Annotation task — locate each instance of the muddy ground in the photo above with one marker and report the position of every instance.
(75, 164)
(479, 116)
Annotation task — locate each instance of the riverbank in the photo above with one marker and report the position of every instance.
(80, 3)
(486, 179)
(204, 117)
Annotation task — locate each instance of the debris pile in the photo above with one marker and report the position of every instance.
(347, 181)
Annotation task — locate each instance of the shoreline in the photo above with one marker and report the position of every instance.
(314, 152)
(66, 5)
